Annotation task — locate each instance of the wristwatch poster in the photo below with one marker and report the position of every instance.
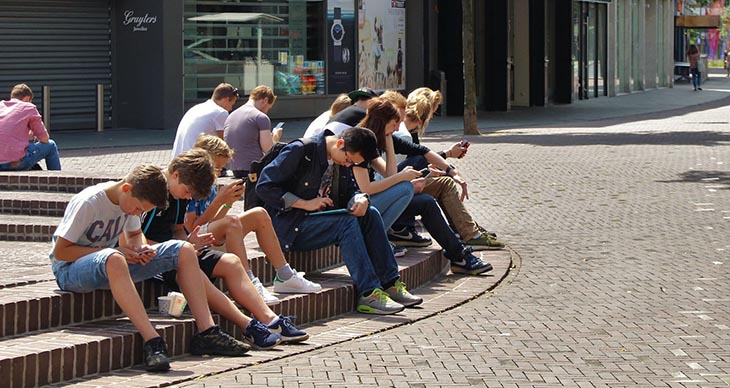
(338, 32)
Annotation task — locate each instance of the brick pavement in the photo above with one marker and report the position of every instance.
(623, 232)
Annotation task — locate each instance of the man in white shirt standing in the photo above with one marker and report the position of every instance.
(206, 117)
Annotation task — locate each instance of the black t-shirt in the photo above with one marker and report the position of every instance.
(158, 225)
(351, 115)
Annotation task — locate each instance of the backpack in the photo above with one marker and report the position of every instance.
(250, 199)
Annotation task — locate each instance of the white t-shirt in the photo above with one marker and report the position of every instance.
(316, 126)
(92, 220)
(402, 133)
(206, 117)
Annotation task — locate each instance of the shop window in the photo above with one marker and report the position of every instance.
(280, 43)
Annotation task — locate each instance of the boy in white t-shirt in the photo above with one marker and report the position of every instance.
(84, 258)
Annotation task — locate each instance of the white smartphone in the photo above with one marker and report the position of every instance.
(279, 125)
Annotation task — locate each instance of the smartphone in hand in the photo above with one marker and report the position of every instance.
(142, 252)
(425, 172)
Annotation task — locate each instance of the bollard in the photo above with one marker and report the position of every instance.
(100, 108)
(47, 107)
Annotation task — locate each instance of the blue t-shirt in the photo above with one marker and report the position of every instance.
(199, 206)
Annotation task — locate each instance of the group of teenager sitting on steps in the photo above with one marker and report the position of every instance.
(170, 224)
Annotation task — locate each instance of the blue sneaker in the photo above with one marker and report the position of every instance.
(259, 337)
(289, 333)
(469, 264)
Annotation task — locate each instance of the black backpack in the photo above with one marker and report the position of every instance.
(250, 199)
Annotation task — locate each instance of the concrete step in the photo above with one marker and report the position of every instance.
(91, 342)
(32, 203)
(20, 227)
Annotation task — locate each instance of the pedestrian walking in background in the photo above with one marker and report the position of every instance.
(693, 57)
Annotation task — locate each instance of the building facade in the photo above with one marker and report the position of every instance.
(537, 52)
(154, 58)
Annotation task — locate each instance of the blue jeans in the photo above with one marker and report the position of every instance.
(363, 245)
(88, 273)
(392, 201)
(418, 162)
(696, 77)
(36, 152)
(435, 223)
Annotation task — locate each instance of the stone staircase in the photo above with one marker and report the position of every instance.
(48, 336)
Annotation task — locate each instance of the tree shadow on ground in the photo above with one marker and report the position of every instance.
(721, 179)
(691, 138)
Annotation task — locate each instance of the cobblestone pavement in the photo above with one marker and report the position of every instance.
(623, 233)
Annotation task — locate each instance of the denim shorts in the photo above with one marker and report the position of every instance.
(88, 273)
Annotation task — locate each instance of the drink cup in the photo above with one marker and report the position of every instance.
(177, 303)
(163, 303)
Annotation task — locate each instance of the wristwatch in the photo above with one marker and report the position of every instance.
(337, 32)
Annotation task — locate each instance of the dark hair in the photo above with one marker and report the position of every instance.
(360, 140)
(380, 113)
(148, 184)
(692, 49)
(224, 90)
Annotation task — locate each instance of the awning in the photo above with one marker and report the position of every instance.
(237, 17)
(698, 21)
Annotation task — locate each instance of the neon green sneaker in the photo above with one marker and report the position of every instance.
(378, 302)
(400, 294)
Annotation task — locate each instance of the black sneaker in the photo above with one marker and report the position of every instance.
(155, 355)
(469, 264)
(215, 342)
(408, 237)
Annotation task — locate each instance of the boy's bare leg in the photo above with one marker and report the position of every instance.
(228, 229)
(257, 220)
(241, 288)
(126, 296)
(190, 282)
(219, 302)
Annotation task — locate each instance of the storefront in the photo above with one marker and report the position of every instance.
(63, 45)
(589, 49)
(156, 58)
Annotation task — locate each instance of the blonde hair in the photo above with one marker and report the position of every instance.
(341, 102)
(434, 96)
(214, 145)
(395, 98)
(21, 91)
(262, 92)
(419, 108)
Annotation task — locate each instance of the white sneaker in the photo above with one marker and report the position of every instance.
(265, 294)
(296, 284)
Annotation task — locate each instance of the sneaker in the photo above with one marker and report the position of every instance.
(699, 88)
(469, 264)
(289, 333)
(378, 302)
(296, 284)
(265, 294)
(259, 337)
(155, 355)
(398, 251)
(408, 237)
(488, 233)
(485, 242)
(216, 342)
(400, 294)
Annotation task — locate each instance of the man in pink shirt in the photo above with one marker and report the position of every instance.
(24, 139)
